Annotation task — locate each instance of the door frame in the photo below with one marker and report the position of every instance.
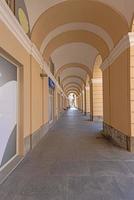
(19, 114)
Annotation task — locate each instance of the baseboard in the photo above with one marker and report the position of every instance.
(39, 134)
(27, 144)
(31, 141)
(9, 168)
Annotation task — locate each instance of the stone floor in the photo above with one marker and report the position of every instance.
(73, 163)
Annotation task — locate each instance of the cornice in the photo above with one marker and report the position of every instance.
(13, 25)
(126, 42)
(37, 56)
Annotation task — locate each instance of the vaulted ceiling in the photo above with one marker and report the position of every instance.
(74, 32)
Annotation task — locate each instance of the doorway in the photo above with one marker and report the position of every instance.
(8, 110)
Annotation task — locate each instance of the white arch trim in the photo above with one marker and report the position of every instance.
(78, 26)
(65, 54)
(36, 8)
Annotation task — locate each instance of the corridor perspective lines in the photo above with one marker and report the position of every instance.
(72, 162)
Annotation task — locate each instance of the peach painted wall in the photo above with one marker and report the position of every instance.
(36, 96)
(106, 96)
(58, 104)
(32, 85)
(45, 100)
(132, 87)
(80, 102)
(55, 103)
(19, 53)
(91, 98)
(87, 95)
(97, 100)
(97, 92)
(84, 100)
(117, 94)
(88, 99)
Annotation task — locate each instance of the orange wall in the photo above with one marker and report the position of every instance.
(117, 94)
(88, 99)
(20, 54)
(106, 96)
(97, 92)
(45, 100)
(97, 100)
(36, 96)
(132, 88)
(33, 111)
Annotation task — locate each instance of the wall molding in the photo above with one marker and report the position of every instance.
(13, 25)
(8, 18)
(126, 42)
(10, 167)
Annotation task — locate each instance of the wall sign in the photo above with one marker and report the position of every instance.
(51, 83)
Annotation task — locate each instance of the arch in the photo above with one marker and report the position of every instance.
(72, 65)
(88, 10)
(72, 89)
(69, 72)
(74, 76)
(97, 73)
(78, 26)
(74, 53)
(72, 86)
(78, 36)
(72, 83)
(77, 94)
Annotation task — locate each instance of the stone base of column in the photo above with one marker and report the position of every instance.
(118, 138)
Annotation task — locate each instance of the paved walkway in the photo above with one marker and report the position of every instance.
(72, 163)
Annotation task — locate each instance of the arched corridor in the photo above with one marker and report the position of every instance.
(66, 99)
(72, 162)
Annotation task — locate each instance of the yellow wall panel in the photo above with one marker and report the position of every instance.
(36, 98)
(106, 96)
(19, 53)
